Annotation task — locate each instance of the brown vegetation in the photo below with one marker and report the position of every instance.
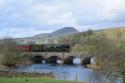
(107, 45)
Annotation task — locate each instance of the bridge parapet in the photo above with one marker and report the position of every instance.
(61, 55)
(54, 56)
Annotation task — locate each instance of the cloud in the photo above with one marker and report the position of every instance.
(48, 15)
(21, 32)
(2, 4)
(83, 12)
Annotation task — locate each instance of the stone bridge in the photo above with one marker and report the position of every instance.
(52, 57)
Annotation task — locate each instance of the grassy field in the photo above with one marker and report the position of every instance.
(31, 80)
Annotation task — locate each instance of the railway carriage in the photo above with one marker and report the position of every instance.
(45, 48)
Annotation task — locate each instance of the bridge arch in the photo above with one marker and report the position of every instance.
(37, 58)
(86, 61)
(52, 59)
(69, 60)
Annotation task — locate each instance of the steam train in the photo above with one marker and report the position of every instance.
(45, 48)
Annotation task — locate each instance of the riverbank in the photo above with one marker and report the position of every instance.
(93, 66)
(25, 74)
(60, 72)
(31, 80)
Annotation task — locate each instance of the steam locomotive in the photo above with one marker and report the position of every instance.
(45, 48)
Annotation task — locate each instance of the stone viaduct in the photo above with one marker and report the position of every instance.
(52, 57)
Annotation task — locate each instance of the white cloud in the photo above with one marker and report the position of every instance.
(91, 11)
(81, 14)
(21, 32)
(3, 3)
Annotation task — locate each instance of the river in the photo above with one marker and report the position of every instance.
(67, 72)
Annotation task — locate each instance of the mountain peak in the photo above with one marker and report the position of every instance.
(69, 28)
(61, 32)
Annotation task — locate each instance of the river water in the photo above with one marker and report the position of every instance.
(67, 72)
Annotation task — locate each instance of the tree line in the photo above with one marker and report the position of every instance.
(110, 53)
(10, 54)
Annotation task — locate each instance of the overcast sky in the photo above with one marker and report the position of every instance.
(23, 18)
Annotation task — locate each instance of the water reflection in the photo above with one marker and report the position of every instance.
(76, 61)
(66, 72)
(119, 80)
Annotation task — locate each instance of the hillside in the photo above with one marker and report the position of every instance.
(61, 32)
(113, 33)
(87, 41)
(72, 35)
(47, 37)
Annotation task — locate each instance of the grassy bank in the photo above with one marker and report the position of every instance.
(31, 80)
(25, 74)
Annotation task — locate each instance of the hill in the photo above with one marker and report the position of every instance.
(61, 32)
(113, 33)
(47, 37)
(87, 41)
(71, 35)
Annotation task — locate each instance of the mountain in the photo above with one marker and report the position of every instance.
(111, 33)
(61, 32)
(87, 41)
(47, 37)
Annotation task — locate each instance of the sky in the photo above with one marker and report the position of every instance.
(25, 18)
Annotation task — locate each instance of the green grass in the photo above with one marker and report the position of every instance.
(31, 80)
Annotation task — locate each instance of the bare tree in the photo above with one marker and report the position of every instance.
(9, 52)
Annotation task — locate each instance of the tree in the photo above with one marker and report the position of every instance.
(113, 62)
(9, 52)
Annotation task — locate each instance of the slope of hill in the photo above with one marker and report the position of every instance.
(73, 35)
(47, 37)
(113, 33)
(84, 40)
(61, 32)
